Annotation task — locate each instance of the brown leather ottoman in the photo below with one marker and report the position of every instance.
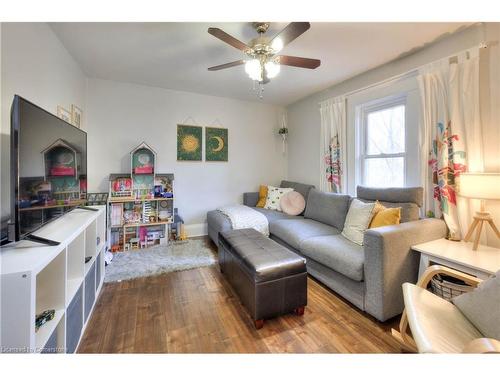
(269, 279)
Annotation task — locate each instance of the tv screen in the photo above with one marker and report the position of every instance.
(48, 167)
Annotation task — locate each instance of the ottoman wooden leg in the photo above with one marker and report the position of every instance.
(299, 310)
(259, 323)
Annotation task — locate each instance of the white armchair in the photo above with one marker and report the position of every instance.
(438, 326)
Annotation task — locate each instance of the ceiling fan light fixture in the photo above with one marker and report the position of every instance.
(253, 69)
(272, 69)
(277, 44)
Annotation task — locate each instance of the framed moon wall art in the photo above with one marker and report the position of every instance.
(216, 144)
(189, 143)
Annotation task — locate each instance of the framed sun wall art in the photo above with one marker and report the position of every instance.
(189, 143)
(216, 144)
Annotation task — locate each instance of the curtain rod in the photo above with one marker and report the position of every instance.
(407, 74)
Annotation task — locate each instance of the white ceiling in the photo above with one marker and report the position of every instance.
(176, 55)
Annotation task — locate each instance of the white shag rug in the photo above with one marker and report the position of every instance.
(159, 259)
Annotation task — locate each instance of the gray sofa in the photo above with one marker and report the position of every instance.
(369, 276)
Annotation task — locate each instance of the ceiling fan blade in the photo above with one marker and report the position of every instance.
(225, 37)
(227, 65)
(290, 33)
(299, 62)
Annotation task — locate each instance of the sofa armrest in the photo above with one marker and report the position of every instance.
(390, 262)
(250, 199)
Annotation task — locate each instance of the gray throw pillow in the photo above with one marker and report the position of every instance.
(482, 306)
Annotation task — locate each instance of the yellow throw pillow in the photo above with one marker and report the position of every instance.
(385, 216)
(262, 196)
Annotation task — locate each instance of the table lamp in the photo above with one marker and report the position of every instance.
(480, 186)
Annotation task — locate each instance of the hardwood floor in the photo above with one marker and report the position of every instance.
(196, 311)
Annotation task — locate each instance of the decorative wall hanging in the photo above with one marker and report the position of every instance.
(189, 143)
(216, 140)
(76, 116)
(64, 114)
(283, 131)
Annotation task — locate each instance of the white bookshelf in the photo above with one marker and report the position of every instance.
(37, 277)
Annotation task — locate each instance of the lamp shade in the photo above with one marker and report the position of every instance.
(480, 185)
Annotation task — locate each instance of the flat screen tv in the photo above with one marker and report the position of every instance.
(48, 168)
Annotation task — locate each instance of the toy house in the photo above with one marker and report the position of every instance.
(61, 161)
(141, 203)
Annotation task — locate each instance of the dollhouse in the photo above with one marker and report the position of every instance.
(140, 203)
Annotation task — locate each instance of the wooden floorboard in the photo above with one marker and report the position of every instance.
(196, 311)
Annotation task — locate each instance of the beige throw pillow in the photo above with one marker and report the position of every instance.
(358, 219)
(274, 194)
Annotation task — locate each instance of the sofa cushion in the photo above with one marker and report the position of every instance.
(293, 232)
(328, 208)
(357, 221)
(293, 203)
(384, 216)
(274, 195)
(394, 195)
(297, 186)
(409, 199)
(273, 215)
(337, 253)
(409, 211)
(262, 196)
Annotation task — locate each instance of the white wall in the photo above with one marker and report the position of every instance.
(36, 66)
(304, 118)
(121, 115)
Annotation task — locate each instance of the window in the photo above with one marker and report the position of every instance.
(382, 136)
(383, 149)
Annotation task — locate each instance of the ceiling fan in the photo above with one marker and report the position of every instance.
(263, 62)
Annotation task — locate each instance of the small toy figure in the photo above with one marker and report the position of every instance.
(43, 318)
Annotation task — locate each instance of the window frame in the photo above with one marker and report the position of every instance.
(363, 111)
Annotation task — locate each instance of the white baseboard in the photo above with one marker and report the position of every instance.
(196, 230)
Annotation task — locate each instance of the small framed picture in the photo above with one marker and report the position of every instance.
(76, 116)
(63, 114)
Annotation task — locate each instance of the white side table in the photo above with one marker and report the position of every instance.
(482, 263)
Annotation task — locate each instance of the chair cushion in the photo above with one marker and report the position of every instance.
(292, 203)
(337, 253)
(273, 215)
(297, 186)
(327, 208)
(437, 325)
(482, 306)
(293, 232)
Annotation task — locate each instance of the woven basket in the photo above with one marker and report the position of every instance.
(448, 287)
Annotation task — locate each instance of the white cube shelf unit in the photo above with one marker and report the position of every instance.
(36, 277)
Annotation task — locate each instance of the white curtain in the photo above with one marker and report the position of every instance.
(333, 145)
(450, 136)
